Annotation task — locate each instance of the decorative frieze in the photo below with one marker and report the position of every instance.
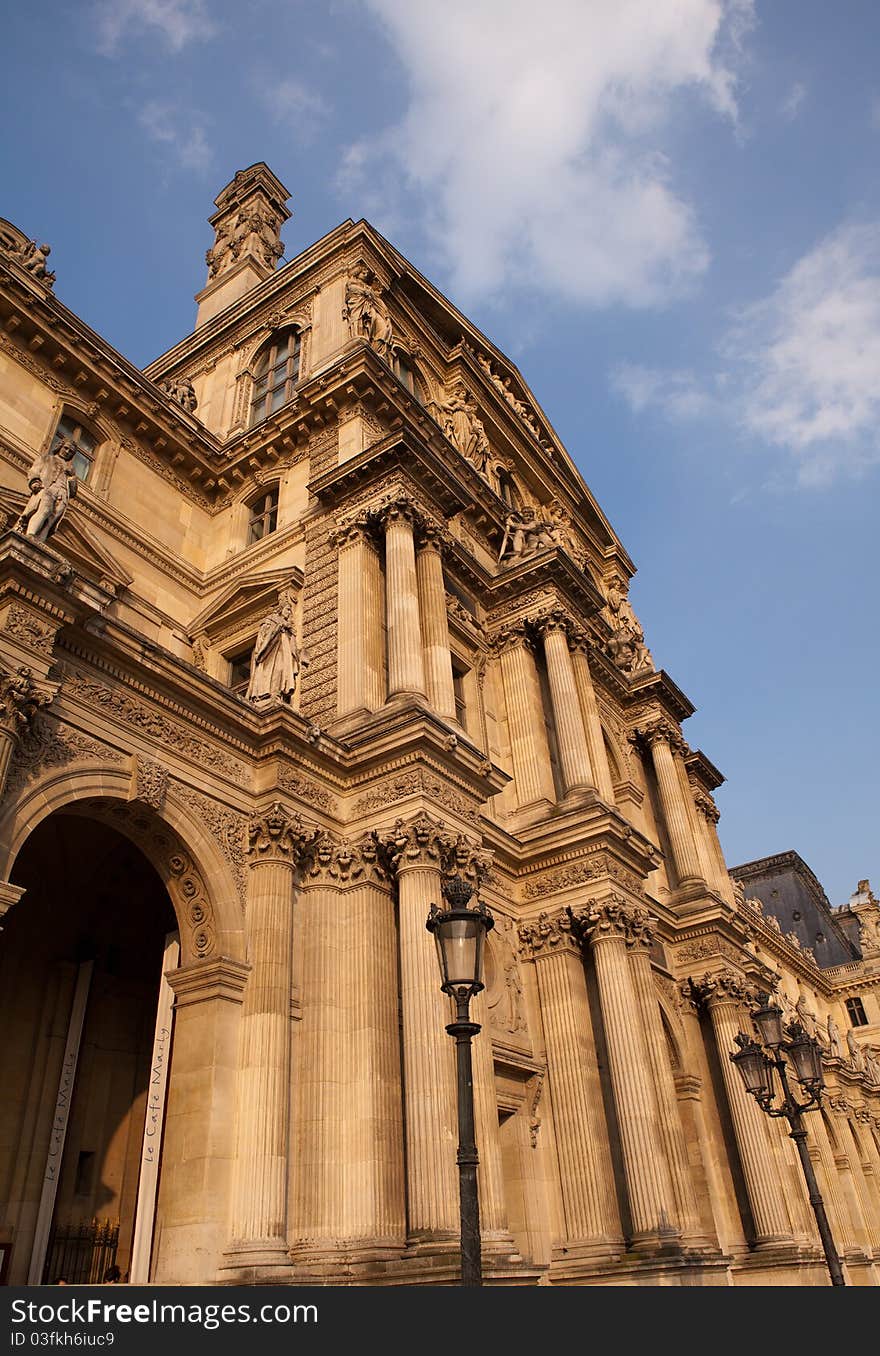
(25, 626)
(227, 826)
(47, 743)
(305, 789)
(416, 782)
(598, 866)
(191, 903)
(149, 782)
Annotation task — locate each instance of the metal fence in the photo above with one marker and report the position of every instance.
(81, 1253)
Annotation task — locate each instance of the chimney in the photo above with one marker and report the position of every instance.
(250, 213)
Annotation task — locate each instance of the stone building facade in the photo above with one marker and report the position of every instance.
(308, 615)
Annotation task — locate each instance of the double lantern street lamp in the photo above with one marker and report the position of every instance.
(460, 934)
(778, 1048)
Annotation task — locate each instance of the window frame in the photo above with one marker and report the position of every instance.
(77, 427)
(856, 1013)
(269, 512)
(265, 374)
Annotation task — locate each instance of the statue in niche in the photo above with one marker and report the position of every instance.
(872, 1063)
(33, 258)
(834, 1044)
(806, 1018)
(275, 663)
(463, 427)
(856, 1056)
(365, 311)
(181, 390)
(52, 482)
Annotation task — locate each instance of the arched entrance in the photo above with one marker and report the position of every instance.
(85, 946)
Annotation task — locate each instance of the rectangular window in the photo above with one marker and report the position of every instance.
(240, 671)
(263, 516)
(459, 673)
(68, 428)
(856, 1012)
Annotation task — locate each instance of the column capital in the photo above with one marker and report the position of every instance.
(550, 935)
(352, 531)
(659, 731)
(509, 637)
(397, 508)
(424, 841)
(20, 699)
(432, 535)
(276, 835)
(724, 986)
(330, 860)
(552, 622)
(706, 805)
(614, 916)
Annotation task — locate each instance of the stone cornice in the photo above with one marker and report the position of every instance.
(658, 690)
(701, 770)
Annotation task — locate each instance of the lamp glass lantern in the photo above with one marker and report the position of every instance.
(768, 1020)
(806, 1056)
(754, 1067)
(460, 934)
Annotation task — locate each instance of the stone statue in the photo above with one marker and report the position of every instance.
(33, 257)
(365, 311)
(275, 661)
(626, 648)
(220, 251)
(256, 231)
(52, 482)
(20, 700)
(835, 1047)
(806, 1018)
(181, 390)
(525, 533)
(872, 1064)
(463, 428)
(856, 1057)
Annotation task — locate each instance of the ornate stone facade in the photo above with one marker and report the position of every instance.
(274, 671)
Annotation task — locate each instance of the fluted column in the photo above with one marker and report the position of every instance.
(832, 1188)
(530, 752)
(639, 937)
(360, 677)
(724, 995)
(591, 1218)
(349, 1193)
(406, 670)
(435, 626)
(661, 739)
(606, 924)
(415, 855)
(707, 817)
(601, 771)
(259, 1193)
(571, 739)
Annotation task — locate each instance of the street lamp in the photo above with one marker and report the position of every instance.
(460, 933)
(790, 1044)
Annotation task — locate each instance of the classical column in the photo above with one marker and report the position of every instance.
(360, 671)
(592, 723)
(435, 627)
(259, 1196)
(832, 1188)
(724, 995)
(415, 853)
(661, 738)
(349, 1187)
(640, 935)
(406, 670)
(607, 924)
(708, 815)
(591, 1219)
(529, 749)
(574, 756)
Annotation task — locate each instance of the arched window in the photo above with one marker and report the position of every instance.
(70, 427)
(275, 375)
(262, 515)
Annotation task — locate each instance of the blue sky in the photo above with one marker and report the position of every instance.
(667, 214)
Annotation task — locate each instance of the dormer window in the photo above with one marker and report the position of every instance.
(263, 515)
(275, 375)
(85, 441)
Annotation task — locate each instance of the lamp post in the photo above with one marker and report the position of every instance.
(756, 1062)
(460, 933)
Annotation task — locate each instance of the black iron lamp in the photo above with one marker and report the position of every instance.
(460, 934)
(788, 1047)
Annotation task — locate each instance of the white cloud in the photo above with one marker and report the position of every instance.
(178, 22)
(183, 135)
(297, 105)
(799, 368)
(791, 104)
(533, 139)
(678, 394)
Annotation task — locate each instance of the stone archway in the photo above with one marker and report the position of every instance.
(192, 883)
